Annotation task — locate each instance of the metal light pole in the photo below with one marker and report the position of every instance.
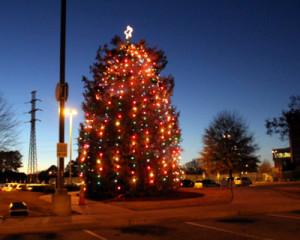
(62, 93)
(61, 201)
(70, 112)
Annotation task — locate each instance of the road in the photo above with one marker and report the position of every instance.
(279, 226)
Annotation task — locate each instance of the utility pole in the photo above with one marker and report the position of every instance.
(32, 159)
(61, 201)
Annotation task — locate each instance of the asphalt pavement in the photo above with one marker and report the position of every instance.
(215, 203)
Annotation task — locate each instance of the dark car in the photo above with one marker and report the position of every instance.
(206, 183)
(18, 209)
(186, 183)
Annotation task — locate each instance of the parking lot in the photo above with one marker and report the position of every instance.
(280, 226)
(261, 212)
(284, 225)
(37, 207)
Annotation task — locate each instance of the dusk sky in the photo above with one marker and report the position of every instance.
(238, 55)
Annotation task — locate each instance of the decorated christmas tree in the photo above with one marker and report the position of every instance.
(130, 140)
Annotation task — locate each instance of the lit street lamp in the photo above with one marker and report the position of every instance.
(71, 113)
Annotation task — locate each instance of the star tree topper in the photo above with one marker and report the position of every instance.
(128, 33)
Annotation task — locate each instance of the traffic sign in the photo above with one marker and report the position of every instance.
(62, 150)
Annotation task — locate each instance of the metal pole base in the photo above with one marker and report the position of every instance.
(61, 203)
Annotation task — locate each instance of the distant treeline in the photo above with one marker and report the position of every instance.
(10, 176)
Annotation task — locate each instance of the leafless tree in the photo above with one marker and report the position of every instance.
(279, 125)
(265, 167)
(8, 125)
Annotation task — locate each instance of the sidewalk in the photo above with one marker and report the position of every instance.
(215, 204)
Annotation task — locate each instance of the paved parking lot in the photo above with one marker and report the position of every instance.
(263, 212)
(279, 226)
(37, 206)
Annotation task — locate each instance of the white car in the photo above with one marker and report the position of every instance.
(198, 184)
(7, 187)
(242, 181)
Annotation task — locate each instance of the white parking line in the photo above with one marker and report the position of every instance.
(227, 231)
(283, 216)
(95, 235)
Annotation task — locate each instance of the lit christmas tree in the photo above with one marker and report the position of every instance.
(129, 142)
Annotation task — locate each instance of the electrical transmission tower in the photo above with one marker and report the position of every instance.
(32, 159)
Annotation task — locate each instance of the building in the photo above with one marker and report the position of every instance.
(282, 159)
(293, 120)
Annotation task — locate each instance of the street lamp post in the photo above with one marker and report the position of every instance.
(61, 201)
(71, 113)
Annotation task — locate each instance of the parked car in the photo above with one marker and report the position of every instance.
(18, 209)
(206, 183)
(186, 183)
(21, 187)
(9, 187)
(198, 184)
(2, 185)
(242, 181)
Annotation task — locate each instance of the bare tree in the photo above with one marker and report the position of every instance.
(279, 125)
(193, 167)
(8, 125)
(265, 167)
(10, 161)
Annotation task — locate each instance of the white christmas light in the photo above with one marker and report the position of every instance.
(128, 32)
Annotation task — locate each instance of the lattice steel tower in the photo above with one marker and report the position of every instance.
(32, 159)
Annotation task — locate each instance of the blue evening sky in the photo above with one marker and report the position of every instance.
(241, 55)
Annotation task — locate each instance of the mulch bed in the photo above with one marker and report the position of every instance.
(176, 195)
